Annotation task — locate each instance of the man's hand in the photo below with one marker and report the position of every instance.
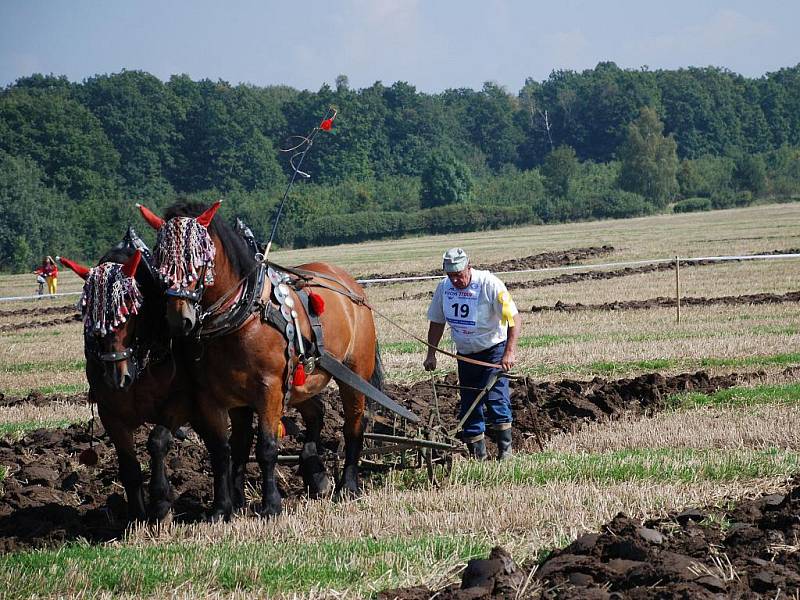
(430, 362)
(508, 360)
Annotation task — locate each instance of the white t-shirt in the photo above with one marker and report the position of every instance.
(473, 313)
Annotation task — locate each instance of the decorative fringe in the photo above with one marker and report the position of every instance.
(183, 248)
(108, 299)
(316, 303)
(299, 377)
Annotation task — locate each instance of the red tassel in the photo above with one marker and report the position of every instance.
(299, 377)
(316, 303)
(326, 125)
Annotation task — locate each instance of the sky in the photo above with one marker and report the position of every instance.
(431, 44)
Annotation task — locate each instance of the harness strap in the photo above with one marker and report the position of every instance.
(316, 326)
(306, 276)
(445, 352)
(273, 317)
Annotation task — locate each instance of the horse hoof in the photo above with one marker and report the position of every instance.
(348, 488)
(268, 512)
(319, 486)
(315, 478)
(239, 501)
(218, 516)
(159, 511)
(348, 491)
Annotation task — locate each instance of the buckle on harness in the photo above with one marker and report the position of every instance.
(309, 363)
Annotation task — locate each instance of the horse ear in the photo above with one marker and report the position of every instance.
(80, 270)
(205, 218)
(129, 268)
(152, 219)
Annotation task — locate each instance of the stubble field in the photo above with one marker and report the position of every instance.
(699, 450)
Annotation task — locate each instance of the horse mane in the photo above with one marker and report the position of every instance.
(236, 249)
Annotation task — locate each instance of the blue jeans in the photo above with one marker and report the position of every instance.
(495, 408)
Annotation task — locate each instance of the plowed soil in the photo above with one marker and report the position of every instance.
(598, 274)
(9, 327)
(663, 302)
(38, 311)
(49, 498)
(749, 551)
(535, 261)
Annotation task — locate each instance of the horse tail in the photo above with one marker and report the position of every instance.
(378, 374)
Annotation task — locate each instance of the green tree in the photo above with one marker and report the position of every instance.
(224, 140)
(36, 219)
(689, 180)
(649, 159)
(140, 116)
(558, 169)
(446, 180)
(62, 136)
(21, 257)
(750, 173)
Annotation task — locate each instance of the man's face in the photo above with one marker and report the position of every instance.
(461, 279)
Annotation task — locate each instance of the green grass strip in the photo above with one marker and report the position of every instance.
(738, 396)
(31, 334)
(681, 465)
(781, 360)
(621, 368)
(59, 366)
(15, 431)
(262, 567)
(60, 388)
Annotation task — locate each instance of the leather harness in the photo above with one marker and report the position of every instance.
(254, 297)
(276, 307)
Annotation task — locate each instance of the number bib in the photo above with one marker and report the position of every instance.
(461, 308)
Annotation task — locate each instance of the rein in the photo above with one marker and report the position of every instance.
(306, 276)
(347, 292)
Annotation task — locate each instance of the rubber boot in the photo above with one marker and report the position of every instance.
(503, 440)
(477, 449)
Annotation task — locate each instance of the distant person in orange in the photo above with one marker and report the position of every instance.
(49, 271)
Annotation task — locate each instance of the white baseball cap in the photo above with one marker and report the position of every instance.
(455, 260)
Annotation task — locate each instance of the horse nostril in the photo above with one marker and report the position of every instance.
(188, 325)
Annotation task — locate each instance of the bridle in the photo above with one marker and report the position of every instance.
(194, 296)
(138, 355)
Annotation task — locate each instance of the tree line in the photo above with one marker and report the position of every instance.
(604, 142)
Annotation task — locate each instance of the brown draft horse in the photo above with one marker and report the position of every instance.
(133, 376)
(203, 260)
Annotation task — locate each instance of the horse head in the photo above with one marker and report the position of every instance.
(184, 253)
(110, 304)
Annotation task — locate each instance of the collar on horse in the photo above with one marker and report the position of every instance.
(238, 304)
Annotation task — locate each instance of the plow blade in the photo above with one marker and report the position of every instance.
(341, 373)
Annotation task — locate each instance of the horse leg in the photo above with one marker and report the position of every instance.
(241, 442)
(312, 469)
(267, 450)
(353, 403)
(158, 445)
(211, 424)
(130, 473)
